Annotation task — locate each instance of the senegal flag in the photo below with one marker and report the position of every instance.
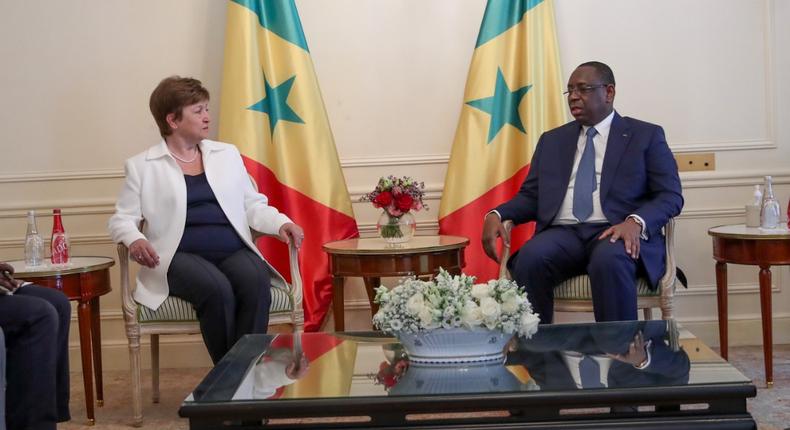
(513, 94)
(271, 109)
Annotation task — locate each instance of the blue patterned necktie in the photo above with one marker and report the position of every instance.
(590, 373)
(585, 182)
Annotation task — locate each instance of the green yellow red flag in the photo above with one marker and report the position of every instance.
(271, 109)
(513, 94)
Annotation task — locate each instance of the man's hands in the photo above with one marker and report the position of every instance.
(492, 229)
(7, 281)
(637, 352)
(291, 232)
(628, 230)
(144, 253)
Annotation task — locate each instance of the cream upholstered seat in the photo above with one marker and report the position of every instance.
(176, 316)
(575, 294)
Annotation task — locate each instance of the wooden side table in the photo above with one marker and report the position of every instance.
(739, 244)
(372, 259)
(84, 279)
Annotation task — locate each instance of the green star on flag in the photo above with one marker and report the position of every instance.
(502, 106)
(275, 104)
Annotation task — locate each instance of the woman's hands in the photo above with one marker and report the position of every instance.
(291, 232)
(298, 367)
(143, 253)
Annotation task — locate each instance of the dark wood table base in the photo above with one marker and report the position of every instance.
(762, 252)
(371, 266)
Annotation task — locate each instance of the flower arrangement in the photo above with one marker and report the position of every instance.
(454, 302)
(397, 196)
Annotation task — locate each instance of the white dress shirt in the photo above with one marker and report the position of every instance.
(565, 214)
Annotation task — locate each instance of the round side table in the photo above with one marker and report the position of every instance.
(739, 244)
(372, 258)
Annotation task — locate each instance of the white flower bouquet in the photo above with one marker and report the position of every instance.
(451, 302)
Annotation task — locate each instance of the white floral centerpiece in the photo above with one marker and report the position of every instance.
(451, 319)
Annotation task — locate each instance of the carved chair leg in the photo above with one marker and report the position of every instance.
(155, 368)
(134, 367)
(648, 312)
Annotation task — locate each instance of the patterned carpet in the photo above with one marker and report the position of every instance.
(771, 407)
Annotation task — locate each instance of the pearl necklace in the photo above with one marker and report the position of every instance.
(197, 152)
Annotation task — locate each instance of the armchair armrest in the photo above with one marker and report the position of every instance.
(503, 272)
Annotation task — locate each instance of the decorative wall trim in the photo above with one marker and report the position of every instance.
(43, 208)
(83, 239)
(712, 213)
(432, 192)
(720, 146)
(742, 178)
(710, 289)
(413, 160)
(66, 175)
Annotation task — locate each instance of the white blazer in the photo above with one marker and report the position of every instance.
(155, 191)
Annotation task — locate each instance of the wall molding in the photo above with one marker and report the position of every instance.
(64, 175)
(80, 239)
(412, 160)
(723, 145)
(710, 289)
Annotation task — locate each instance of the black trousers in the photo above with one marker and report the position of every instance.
(36, 325)
(231, 298)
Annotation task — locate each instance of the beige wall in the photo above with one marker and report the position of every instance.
(76, 77)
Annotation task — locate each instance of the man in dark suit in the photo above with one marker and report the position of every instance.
(35, 321)
(600, 189)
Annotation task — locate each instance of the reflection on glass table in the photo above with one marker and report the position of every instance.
(366, 380)
(604, 355)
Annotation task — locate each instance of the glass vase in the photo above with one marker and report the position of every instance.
(396, 229)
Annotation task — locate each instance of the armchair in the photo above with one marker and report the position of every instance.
(176, 316)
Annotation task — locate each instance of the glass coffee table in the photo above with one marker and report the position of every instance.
(365, 380)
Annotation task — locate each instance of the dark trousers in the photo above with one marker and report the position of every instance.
(561, 252)
(36, 325)
(231, 298)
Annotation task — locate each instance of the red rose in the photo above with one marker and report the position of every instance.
(384, 199)
(403, 202)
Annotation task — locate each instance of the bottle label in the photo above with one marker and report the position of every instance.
(60, 249)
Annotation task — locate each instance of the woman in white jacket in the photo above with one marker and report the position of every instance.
(196, 205)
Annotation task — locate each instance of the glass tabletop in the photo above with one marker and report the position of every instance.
(269, 368)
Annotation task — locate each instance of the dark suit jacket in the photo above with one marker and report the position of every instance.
(639, 176)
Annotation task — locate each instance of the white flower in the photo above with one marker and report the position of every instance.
(426, 318)
(471, 315)
(528, 324)
(479, 291)
(490, 308)
(450, 301)
(415, 304)
(510, 302)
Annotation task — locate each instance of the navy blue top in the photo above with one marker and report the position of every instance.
(207, 231)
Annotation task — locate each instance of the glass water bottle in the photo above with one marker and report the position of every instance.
(769, 213)
(34, 245)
